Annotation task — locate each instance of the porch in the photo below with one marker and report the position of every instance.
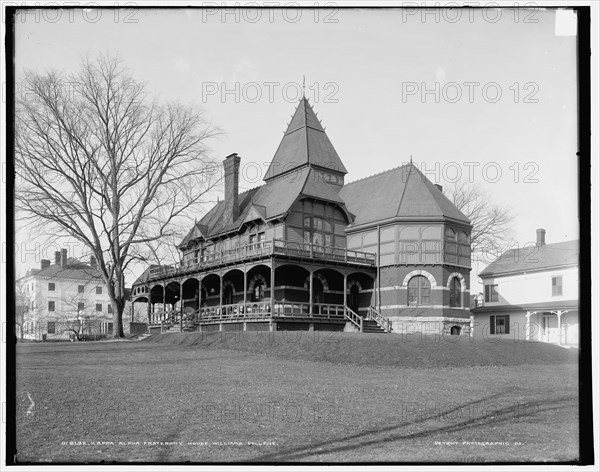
(259, 316)
(553, 326)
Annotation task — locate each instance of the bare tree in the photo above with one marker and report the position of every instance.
(99, 160)
(78, 315)
(24, 306)
(492, 223)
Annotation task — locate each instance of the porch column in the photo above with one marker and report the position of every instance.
(199, 295)
(310, 293)
(132, 311)
(245, 289)
(540, 323)
(345, 289)
(148, 308)
(528, 326)
(220, 299)
(272, 287)
(559, 314)
(164, 301)
(180, 307)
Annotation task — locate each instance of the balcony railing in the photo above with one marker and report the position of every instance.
(263, 249)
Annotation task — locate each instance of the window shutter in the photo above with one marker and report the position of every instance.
(492, 321)
(507, 324)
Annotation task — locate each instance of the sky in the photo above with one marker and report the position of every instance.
(489, 95)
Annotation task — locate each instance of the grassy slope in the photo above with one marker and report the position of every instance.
(312, 411)
(377, 349)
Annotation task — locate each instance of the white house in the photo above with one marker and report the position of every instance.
(62, 300)
(532, 294)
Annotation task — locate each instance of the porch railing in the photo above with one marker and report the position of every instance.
(355, 319)
(373, 314)
(321, 311)
(251, 311)
(262, 249)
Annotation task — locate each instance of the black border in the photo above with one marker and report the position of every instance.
(586, 437)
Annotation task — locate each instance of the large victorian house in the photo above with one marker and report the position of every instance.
(307, 250)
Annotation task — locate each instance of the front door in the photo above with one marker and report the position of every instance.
(353, 305)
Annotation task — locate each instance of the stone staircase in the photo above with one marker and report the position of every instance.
(372, 323)
(371, 326)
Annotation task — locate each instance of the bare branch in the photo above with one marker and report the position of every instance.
(107, 165)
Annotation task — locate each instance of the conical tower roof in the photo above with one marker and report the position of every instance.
(404, 192)
(304, 143)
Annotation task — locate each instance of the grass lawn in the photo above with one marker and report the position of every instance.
(343, 397)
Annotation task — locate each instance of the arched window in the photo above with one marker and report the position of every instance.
(419, 291)
(259, 291)
(450, 234)
(455, 294)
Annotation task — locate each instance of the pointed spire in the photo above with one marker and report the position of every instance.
(303, 87)
(303, 143)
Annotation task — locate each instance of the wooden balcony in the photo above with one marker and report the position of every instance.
(264, 249)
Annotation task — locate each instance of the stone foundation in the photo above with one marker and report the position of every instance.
(435, 325)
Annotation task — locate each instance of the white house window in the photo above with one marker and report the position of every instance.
(98, 306)
(557, 286)
(80, 306)
(51, 306)
(51, 327)
(419, 291)
(109, 308)
(491, 293)
(98, 290)
(80, 288)
(499, 324)
(51, 287)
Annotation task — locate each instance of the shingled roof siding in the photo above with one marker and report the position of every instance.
(304, 142)
(400, 192)
(535, 258)
(75, 270)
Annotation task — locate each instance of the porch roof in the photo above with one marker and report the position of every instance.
(543, 306)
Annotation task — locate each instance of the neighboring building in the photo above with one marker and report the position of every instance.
(63, 300)
(308, 251)
(532, 294)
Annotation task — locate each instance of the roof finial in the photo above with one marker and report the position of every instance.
(411, 158)
(303, 87)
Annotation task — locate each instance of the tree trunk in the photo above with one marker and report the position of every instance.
(118, 320)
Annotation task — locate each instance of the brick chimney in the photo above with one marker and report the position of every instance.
(63, 259)
(541, 237)
(57, 257)
(45, 263)
(93, 263)
(231, 167)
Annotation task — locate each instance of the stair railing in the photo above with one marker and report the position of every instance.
(374, 315)
(353, 318)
